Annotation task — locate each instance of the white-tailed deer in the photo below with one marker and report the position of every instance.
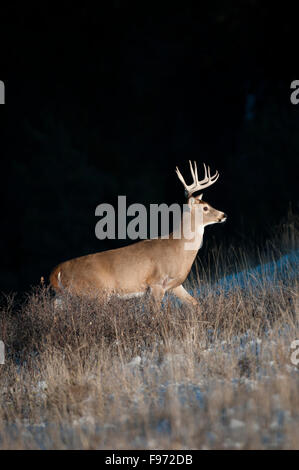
(156, 265)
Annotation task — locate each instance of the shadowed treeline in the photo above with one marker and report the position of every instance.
(105, 103)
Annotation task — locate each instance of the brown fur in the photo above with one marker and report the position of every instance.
(158, 265)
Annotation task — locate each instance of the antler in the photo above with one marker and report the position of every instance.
(197, 185)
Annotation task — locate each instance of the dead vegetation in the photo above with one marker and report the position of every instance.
(128, 375)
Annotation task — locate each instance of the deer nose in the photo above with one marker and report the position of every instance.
(223, 217)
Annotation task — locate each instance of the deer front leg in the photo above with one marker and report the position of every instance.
(157, 293)
(182, 294)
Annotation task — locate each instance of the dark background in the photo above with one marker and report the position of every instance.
(107, 102)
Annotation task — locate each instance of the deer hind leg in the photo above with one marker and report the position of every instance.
(182, 294)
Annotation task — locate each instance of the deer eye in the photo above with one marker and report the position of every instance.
(205, 208)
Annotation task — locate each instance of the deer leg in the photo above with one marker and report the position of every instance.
(182, 294)
(157, 293)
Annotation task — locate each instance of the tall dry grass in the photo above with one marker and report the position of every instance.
(129, 375)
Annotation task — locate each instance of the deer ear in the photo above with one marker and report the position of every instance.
(200, 196)
(191, 201)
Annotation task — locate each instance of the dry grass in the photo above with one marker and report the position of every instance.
(129, 376)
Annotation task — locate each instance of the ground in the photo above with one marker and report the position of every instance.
(130, 375)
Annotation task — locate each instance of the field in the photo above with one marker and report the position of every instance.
(129, 375)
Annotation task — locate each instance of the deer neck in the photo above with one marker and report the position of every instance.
(190, 234)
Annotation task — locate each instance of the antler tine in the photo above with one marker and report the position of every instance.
(212, 178)
(215, 177)
(180, 176)
(206, 178)
(195, 170)
(192, 171)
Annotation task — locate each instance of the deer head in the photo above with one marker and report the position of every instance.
(209, 214)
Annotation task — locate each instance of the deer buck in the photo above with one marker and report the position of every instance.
(155, 265)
